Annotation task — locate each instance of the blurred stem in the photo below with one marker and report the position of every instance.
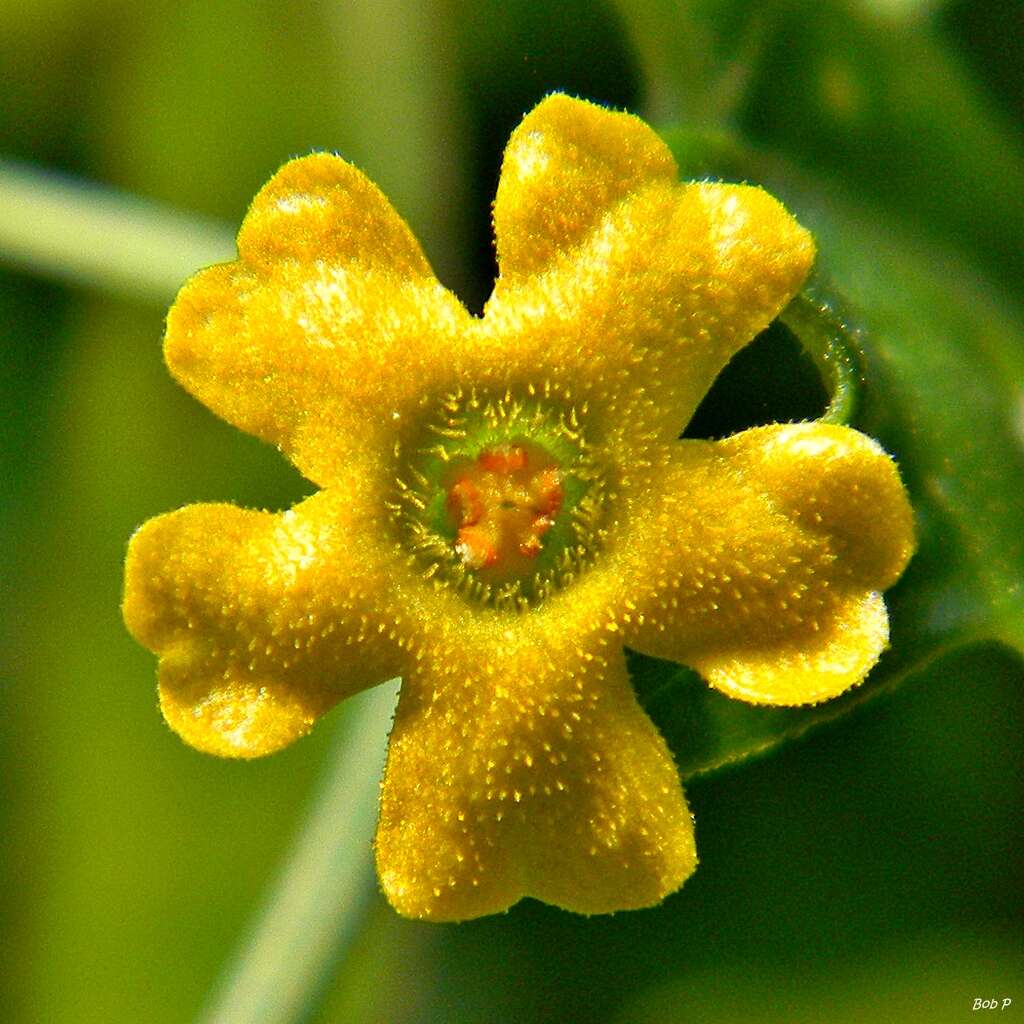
(398, 66)
(674, 48)
(97, 237)
(696, 73)
(318, 903)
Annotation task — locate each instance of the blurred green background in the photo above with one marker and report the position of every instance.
(870, 871)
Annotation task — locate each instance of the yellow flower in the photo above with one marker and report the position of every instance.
(505, 506)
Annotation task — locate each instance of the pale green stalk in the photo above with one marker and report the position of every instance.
(696, 63)
(396, 68)
(97, 237)
(318, 902)
(674, 50)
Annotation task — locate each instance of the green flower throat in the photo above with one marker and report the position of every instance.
(504, 500)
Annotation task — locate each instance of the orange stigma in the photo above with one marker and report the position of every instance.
(502, 504)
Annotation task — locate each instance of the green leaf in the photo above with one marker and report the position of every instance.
(942, 353)
(885, 108)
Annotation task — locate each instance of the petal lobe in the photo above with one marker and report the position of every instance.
(565, 166)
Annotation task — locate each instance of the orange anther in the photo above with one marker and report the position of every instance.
(476, 548)
(502, 460)
(465, 503)
(542, 524)
(530, 547)
(547, 492)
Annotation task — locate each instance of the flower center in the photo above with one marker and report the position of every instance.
(501, 505)
(503, 499)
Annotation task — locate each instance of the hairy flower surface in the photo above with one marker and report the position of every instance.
(505, 505)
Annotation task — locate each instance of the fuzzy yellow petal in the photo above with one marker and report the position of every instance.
(320, 208)
(566, 165)
(263, 622)
(839, 646)
(329, 323)
(613, 273)
(537, 775)
(761, 561)
(836, 481)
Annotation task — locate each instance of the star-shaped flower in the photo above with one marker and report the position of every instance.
(505, 505)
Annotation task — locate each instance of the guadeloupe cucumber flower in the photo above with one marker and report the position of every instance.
(505, 505)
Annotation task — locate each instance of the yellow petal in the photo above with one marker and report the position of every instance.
(566, 165)
(837, 481)
(319, 208)
(537, 776)
(328, 326)
(263, 622)
(763, 562)
(803, 666)
(619, 280)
